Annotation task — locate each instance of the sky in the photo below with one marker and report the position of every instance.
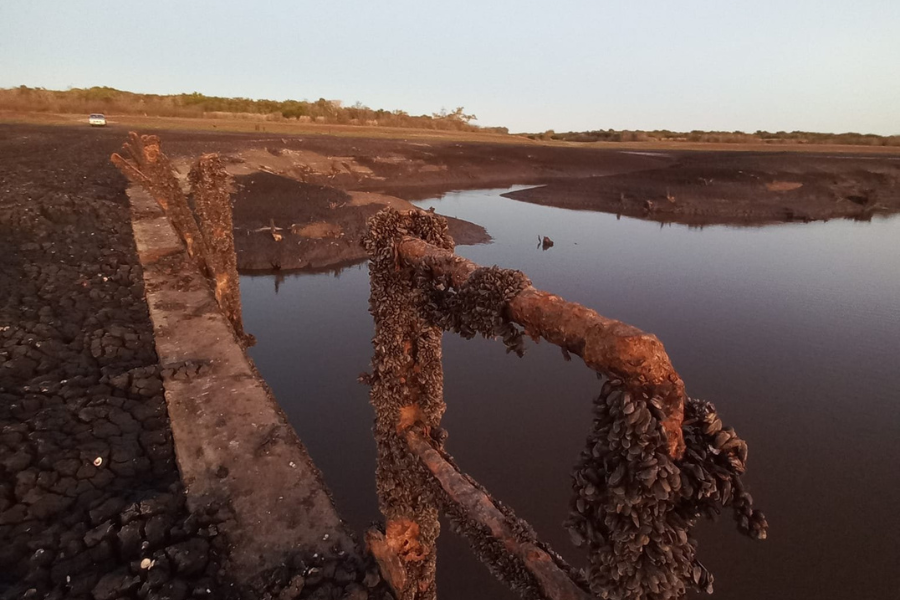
(812, 65)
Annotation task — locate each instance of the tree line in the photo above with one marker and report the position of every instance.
(720, 137)
(109, 100)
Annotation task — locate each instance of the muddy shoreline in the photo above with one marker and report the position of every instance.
(282, 224)
(737, 189)
(301, 202)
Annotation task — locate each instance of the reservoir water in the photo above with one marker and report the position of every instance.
(792, 331)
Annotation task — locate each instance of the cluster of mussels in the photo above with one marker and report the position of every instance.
(478, 305)
(406, 371)
(634, 506)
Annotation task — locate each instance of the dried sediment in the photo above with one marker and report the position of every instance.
(737, 188)
(319, 226)
(91, 503)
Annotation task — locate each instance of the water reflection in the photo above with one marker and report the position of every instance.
(793, 331)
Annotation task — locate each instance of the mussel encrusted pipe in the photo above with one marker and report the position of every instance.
(607, 346)
(634, 507)
(406, 386)
(655, 460)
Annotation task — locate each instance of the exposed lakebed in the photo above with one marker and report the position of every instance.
(793, 331)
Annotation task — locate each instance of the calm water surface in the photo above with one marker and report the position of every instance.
(793, 331)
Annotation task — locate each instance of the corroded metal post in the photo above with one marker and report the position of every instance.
(407, 389)
(505, 544)
(211, 187)
(209, 238)
(145, 164)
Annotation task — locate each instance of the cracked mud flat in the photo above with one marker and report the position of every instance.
(88, 484)
(91, 502)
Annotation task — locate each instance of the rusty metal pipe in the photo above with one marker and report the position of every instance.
(610, 347)
(553, 583)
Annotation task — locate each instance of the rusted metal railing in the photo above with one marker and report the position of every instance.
(607, 346)
(642, 449)
(407, 396)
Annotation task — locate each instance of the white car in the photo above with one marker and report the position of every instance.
(97, 120)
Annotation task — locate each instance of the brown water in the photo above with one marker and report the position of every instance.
(793, 331)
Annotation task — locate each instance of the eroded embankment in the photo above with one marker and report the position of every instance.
(298, 208)
(301, 202)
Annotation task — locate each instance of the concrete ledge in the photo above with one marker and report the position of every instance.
(233, 444)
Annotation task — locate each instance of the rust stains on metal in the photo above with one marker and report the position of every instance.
(389, 563)
(402, 536)
(607, 346)
(145, 164)
(537, 573)
(211, 186)
(209, 238)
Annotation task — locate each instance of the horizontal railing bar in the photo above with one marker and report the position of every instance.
(463, 498)
(610, 347)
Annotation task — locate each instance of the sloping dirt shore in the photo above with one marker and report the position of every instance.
(302, 204)
(284, 224)
(738, 188)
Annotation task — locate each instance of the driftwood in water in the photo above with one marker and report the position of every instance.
(607, 346)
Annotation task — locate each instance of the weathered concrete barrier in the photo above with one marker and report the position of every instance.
(234, 446)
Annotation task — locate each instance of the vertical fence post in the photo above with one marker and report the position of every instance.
(211, 187)
(145, 164)
(209, 238)
(407, 390)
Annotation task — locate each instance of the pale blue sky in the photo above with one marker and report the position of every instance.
(819, 65)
